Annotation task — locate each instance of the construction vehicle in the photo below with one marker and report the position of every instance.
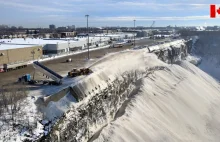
(78, 72)
(130, 41)
(119, 44)
(48, 72)
(10, 67)
(26, 79)
(69, 60)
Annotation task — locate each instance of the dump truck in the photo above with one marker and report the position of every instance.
(48, 72)
(10, 67)
(57, 79)
(26, 79)
(78, 72)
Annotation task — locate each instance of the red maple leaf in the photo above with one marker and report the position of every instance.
(218, 10)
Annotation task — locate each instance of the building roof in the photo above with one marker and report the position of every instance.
(11, 46)
(29, 42)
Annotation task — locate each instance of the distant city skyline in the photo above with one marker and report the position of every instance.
(41, 13)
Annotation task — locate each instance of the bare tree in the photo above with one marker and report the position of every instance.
(10, 102)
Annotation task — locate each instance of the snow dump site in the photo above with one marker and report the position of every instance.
(132, 96)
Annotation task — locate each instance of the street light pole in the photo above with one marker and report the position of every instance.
(87, 16)
(69, 45)
(134, 32)
(33, 52)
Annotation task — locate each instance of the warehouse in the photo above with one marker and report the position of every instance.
(58, 46)
(70, 45)
(118, 36)
(53, 45)
(65, 45)
(16, 56)
(10, 54)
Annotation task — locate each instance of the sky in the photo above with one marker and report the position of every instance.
(41, 13)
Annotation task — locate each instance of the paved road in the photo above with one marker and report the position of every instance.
(60, 66)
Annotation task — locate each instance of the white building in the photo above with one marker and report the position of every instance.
(58, 46)
(65, 45)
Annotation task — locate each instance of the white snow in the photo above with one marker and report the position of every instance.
(178, 104)
(13, 46)
(164, 46)
(193, 59)
(68, 54)
(29, 42)
(57, 109)
(175, 103)
(27, 117)
(32, 41)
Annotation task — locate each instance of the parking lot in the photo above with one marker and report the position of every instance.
(61, 67)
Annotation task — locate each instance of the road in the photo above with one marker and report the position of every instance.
(61, 67)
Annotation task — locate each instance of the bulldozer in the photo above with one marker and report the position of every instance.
(78, 72)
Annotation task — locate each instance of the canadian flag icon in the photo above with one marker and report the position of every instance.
(214, 10)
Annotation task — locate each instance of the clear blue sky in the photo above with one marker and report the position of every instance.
(41, 13)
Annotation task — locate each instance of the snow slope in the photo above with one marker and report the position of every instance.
(171, 103)
(178, 104)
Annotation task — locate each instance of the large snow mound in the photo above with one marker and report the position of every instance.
(180, 103)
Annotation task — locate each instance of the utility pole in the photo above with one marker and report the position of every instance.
(69, 45)
(134, 32)
(87, 16)
(33, 52)
(100, 39)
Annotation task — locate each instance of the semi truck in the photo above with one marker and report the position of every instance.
(10, 67)
(57, 79)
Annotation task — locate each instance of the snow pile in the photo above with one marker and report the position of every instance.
(57, 109)
(193, 59)
(136, 97)
(107, 69)
(178, 104)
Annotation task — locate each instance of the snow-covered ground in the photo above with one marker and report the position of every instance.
(194, 59)
(164, 103)
(68, 54)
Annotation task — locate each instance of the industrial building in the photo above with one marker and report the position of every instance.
(143, 33)
(11, 54)
(68, 34)
(21, 50)
(16, 56)
(57, 46)
(117, 36)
